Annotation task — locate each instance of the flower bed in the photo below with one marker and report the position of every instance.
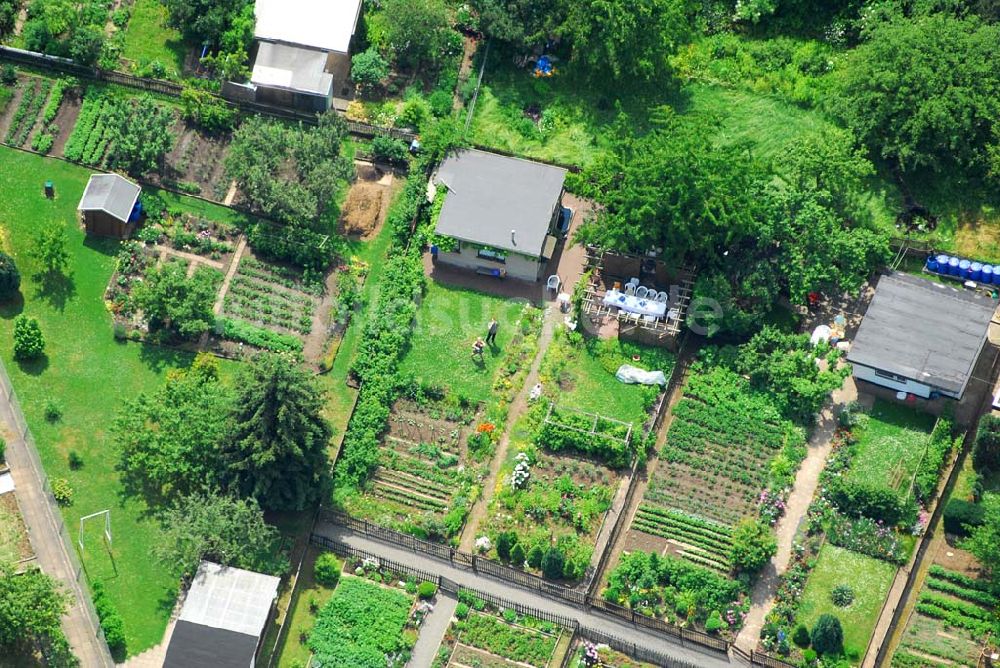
(606, 439)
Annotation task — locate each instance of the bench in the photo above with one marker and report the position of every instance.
(490, 271)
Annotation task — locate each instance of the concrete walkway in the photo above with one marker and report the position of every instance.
(43, 522)
(432, 632)
(694, 654)
(796, 507)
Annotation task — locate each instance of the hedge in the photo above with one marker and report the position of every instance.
(238, 330)
(958, 514)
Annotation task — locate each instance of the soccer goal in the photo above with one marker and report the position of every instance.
(107, 527)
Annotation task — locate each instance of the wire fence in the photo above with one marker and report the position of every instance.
(79, 575)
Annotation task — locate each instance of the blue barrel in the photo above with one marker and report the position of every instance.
(932, 264)
(942, 263)
(976, 271)
(953, 266)
(963, 269)
(987, 274)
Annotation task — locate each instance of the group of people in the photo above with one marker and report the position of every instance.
(479, 347)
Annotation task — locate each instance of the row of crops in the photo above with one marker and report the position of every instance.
(705, 543)
(33, 98)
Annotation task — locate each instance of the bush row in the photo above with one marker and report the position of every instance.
(111, 622)
(238, 330)
(938, 450)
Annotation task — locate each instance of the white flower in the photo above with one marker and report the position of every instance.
(483, 544)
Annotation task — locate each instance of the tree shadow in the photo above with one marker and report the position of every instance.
(102, 245)
(55, 288)
(12, 307)
(160, 358)
(34, 367)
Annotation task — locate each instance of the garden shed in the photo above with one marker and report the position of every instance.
(921, 337)
(223, 618)
(110, 206)
(500, 213)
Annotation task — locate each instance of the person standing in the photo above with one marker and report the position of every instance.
(491, 332)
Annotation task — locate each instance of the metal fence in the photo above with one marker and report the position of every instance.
(7, 389)
(768, 661)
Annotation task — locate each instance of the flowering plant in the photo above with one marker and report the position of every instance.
(770, 506)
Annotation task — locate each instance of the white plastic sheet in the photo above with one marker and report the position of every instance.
(632, 374)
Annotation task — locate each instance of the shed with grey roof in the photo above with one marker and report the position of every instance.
(501, 211)
(921, 337)
(223, 618)
(110, 206)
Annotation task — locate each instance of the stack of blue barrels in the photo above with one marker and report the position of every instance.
(966, 270)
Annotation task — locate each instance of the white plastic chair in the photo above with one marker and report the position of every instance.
(649, 319)
(630, 289)
(662, 297)
(553, 283)
(641, 292)
(634, 282)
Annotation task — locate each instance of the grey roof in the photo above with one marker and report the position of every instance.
(196, 646)
(292, 68)
(489, 195)
(110, 193)
(925, 331)
(230, 598)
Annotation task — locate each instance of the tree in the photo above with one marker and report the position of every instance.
(753, 545)
(176, 304)
(553, 563)
(517, 555)
(31, 609)
(618, 41)
(521, 23)
(417, 31)
(369, 69)
(86, 43)
(505, 542)
(10, 277)
(29, 344)
(50, 252)
(326, 570)
(219, 528)
(206, 110)
(204, 21)
(276, 448)
(986, 452)
(169, 440)
(984, 540)
(923, 91)
(143, 136)
(827, 635)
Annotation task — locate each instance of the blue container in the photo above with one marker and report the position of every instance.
(987, 274)
(932, 264)
(942, 262)
(963, 269)
(953, 266)
(976, 271)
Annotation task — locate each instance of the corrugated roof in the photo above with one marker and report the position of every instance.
(292, 68)
(196, 646)
(111, 193)
(230, 598)
(490, 195)
(321, 24)
(922, 330)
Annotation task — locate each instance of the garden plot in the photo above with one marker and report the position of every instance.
(196, 164)
(431, 464)
(606, 657)
(33, 93)
(14, 543)
(273, 297)
(482, 636)
(891, 441)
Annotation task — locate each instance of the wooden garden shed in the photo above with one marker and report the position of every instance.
(110, 206)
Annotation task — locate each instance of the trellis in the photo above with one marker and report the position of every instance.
(553, 420)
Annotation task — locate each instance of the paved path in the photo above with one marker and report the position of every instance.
(698, 656)
(796, 506)
(234, 264)
(154, 656)
(432, 632)
(43, 522)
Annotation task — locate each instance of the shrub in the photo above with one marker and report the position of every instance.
(75, 460)
(714, 622)
(29, 343)
(326, 570)
(10, 277)
(441, 102)
(3, 449)
(8, 75)
(801, 636)
(389, 149)
(62, 492)
(426, 590)
(809, 655)
(111, 622)
(53, 411)
(753, 546)
(842, 595)
(553, 563)
(517, 555)
(986, 452)
(959, 515)
(206, 110)
(827, 635)
(535, 556)
(369, 68)
(461, 611)
(877, 503)
(505, 542)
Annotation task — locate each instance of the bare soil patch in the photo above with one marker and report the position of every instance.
(197, 159)
(66, 118)
(11, 109)
(14, 543)
(361, 211)
(955, 558)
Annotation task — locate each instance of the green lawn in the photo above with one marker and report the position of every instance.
(581, 375)
(308, 595)
(147, 38)
(88, 374)
(448, 321)
(890, 446)
(870, 579)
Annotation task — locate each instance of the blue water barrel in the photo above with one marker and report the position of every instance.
(932, 263)
(987, 274)
(953, 266)
(942, 261)
(976, 271)
(963, 268)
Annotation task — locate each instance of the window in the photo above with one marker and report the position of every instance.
(491, 254)
(891, 376)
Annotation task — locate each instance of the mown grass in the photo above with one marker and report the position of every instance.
(148, 38)
(448, 321)
(88, 374)
(890, 446)
(308, 595)
(869, 578)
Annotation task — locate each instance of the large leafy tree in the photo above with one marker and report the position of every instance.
(204, 21)
(169, 439)
(276, 450)
(924, 91)
(223, 529)
(521, 23)
(31, 609)
(174, 303)
(417, 31)
(620, 41)
(143, 136)
(984, 540)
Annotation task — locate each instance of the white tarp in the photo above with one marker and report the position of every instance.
(821, 333)
(632, 374)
